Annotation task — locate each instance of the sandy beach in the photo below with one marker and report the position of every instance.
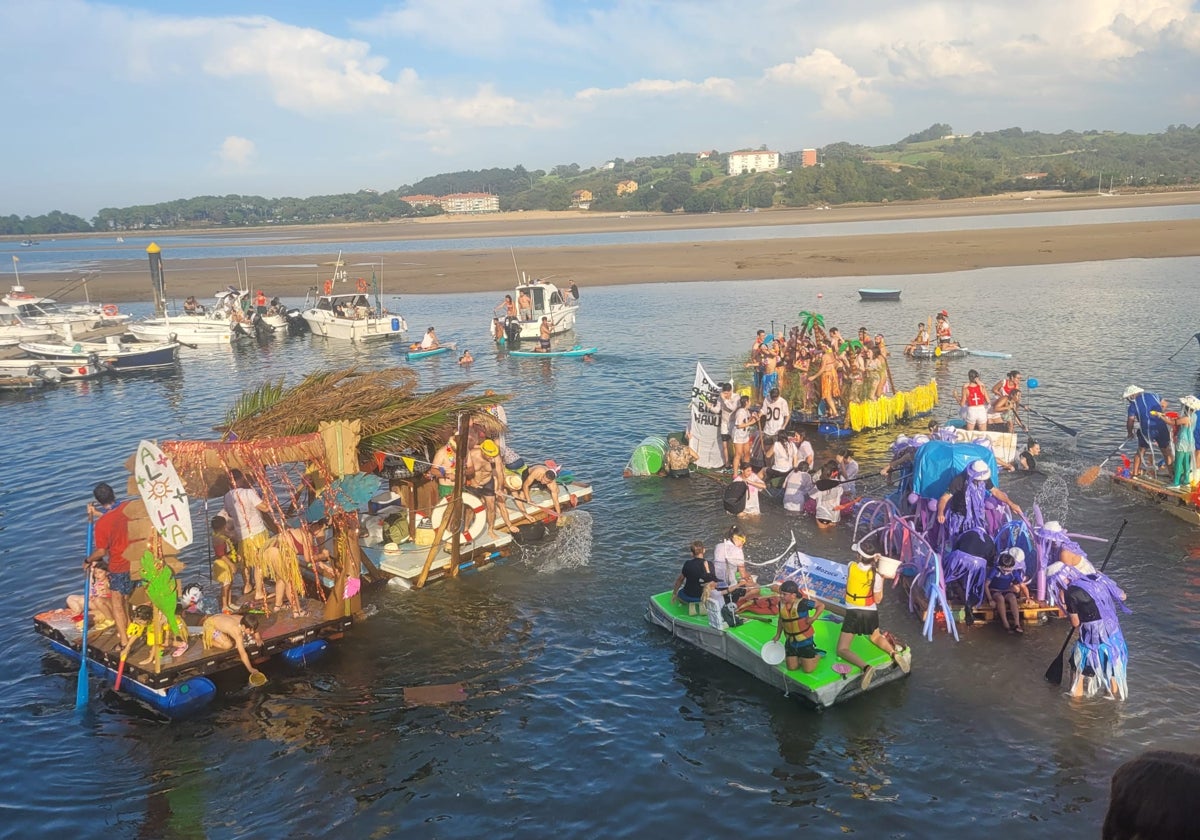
(807, 257)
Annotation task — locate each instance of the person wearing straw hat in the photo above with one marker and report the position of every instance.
(1185, 446)
(485, 478)
(1145, 417)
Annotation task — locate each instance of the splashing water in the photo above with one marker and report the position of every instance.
(1053, 498)
(571, 547)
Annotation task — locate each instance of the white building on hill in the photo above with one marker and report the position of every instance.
(762, 161)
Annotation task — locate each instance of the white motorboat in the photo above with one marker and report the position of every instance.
(350, 316)
(13, 330)
(26, 374)
(46, 312)
(185, 329)
(545, 300)
(120, 356)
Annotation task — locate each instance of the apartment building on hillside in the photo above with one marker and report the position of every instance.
(762, 161)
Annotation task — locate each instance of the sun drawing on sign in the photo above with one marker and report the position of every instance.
(159, 490)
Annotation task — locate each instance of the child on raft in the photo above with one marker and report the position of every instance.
(1005, 588)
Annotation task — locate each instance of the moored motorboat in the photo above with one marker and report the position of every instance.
(120, 356)
(546, 300)
(186, 329)
(46, 312)
(13, 330)
(351, 316)
(26, 374)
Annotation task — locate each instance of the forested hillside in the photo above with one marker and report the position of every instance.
(933, 163)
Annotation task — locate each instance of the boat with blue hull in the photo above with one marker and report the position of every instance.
(184, 685)
(118, 356)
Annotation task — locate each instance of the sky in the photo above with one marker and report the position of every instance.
(115, 104)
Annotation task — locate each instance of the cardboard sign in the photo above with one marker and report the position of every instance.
(164, 495)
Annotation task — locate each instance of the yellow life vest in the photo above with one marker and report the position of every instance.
(791, 622)
(860, 586)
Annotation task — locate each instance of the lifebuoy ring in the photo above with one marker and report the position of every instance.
(328, 287)
(473, 507)
(109, 309)
(363, 285)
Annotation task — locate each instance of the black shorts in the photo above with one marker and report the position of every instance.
(726, 438)
(773, 474)
(773, 439)
(861, 622)
(486, 490)
(678, 473)
(802, 649)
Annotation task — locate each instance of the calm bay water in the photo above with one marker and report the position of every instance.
(582, 719)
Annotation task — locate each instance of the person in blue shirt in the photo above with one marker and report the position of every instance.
(1146, 418)
(1005, 588)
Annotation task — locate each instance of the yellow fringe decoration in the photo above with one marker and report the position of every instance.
(891, 409)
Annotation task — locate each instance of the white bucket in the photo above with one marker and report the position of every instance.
(888, 567)
(773, 653)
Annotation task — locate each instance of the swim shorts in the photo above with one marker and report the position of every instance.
(120, 582)
(860, 622)
(803, 648)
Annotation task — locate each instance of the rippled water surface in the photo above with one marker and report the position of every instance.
(581, 718)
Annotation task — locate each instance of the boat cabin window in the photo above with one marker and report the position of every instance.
(556, 299)
(324, 304)
(539, 297)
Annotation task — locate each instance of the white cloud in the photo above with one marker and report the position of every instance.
(841, 90)
(724, 88)
(236, 151)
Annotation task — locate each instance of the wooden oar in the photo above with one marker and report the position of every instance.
(1092, 473)
(1054, 673)
(1052, 422)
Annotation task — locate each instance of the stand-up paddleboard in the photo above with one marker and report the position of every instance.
(989, 354)
(574, 351)
(424, 354)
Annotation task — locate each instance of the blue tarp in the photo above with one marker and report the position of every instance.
(937, 462)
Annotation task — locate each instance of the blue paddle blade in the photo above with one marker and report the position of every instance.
(81, 683)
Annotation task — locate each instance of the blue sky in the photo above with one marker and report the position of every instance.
(112, 104)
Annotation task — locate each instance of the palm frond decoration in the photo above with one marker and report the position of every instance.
(394, 415)
(809, 321)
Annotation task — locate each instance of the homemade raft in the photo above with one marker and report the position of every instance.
(874, 414)
(181, 686)
(742, 646)
(1183, 503)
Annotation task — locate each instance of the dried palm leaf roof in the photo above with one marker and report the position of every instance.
(395, 417)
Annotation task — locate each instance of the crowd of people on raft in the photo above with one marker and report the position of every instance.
(819, 372)
(725, 590)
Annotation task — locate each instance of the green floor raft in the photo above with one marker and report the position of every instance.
(742, 646)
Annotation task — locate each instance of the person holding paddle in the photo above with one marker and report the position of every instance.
(1145, 417)
(1100, 659)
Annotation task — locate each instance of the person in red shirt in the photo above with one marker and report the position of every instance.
(110, 536)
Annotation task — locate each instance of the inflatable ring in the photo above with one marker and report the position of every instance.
(109, 309)
(474, 517)
(362, 285)
(328, 287)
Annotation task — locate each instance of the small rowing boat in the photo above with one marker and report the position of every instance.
(574, 351)
(879, 294)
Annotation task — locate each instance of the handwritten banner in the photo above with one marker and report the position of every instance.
(165, 497)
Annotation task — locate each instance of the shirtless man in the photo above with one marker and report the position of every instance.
(545, 475)
(525, 305)
(485, 474)
(226, 632)
(920, 340)
(1005, 410)
(544, 332)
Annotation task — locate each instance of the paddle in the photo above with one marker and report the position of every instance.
(1052, 422)
(829, 483)
(1092, 473)
(1054, 673)
(1171, 358)
(81, 684)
